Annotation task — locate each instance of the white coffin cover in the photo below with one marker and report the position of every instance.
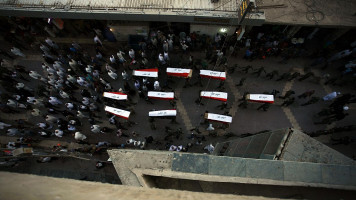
(146, 72)
(118, 112)
(161, 95)
(221, 96)
(115, 95)
(163, 113)
(213, 74)
(263, 98)
(220, 118)
(179, 72)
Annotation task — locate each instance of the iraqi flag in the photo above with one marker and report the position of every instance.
(220, 96)
(118, 112)
(213, 74)
(218, 118)
(179, 72)
(161, 95)
(115, 95)
(163, 113)
(260, 98)
(146, 72)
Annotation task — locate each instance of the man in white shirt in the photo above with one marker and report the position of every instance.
(34, 75)
(97, 40)
(51, 119)
(70, 105)
(112, 75)
(112, 59)
(31, 100)
(86, 101)
(17, 52)
(54, 101)
(96, 74)
(71, 127)
(12, 131)
(63, 94)
(89, 68)
(58, 133)
(121, 57)
(161, 59)
(156, 85)
(79, 136)
(95, 128)
(125, 76)
(71, 78)
(81, 81)
(11, 103)
(3, 125)
(132, 54)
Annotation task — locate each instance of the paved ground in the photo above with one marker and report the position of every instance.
(247, 120)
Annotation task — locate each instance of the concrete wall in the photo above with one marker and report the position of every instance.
(122, 31)
(31, 187)
(211, 29)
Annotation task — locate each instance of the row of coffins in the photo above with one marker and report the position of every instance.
(172, 113)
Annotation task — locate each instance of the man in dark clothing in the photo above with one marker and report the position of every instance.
(264, 106)
(246, 69)
(283, 76)
(274, 92)
(244, 96)
(287, 95)
(196, 129)
(307, 75)
(307, 94)
(223, 106)
(311, 101)
(259, 71)
(340, 101)
(270, 75)
(243, 104)
(344, 140)
(331, 80)
(199, 99)
(241, 83)
(294, 75)
(288, 102)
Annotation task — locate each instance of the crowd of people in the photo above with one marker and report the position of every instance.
(67, 94)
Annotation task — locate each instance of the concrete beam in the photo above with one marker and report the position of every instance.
(32, 187)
